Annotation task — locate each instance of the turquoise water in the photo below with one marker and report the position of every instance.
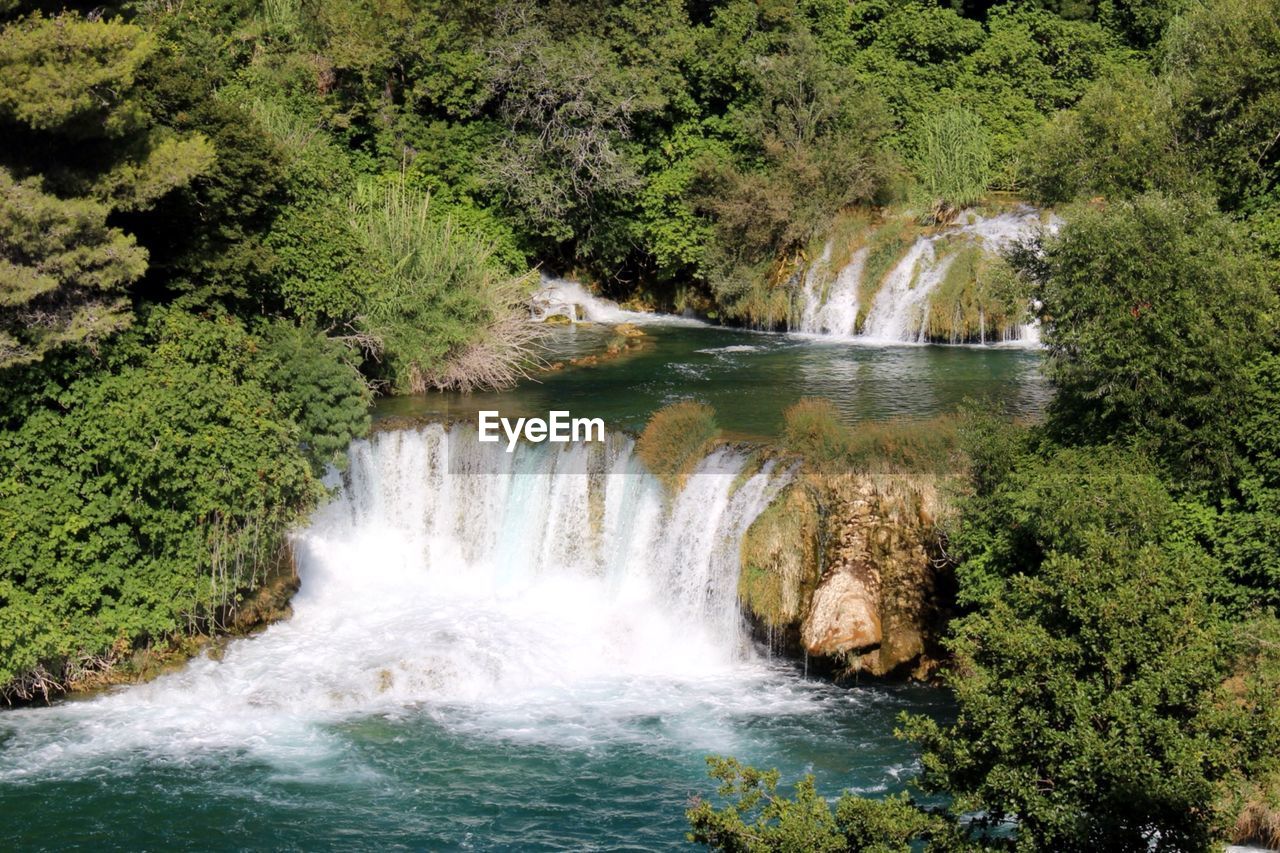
(486, 662)
(751, 377)
(428, 779)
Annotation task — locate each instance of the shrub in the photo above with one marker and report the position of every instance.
(812, 428)
(143, 499)
(676, 439)
(979, 299)
(759, 818)
(442, 311)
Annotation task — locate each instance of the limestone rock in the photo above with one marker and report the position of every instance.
(843, 616)
(842, 569)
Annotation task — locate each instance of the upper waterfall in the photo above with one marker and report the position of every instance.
(900, 304)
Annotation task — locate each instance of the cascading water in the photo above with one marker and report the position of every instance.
(531, 650)
(898, 310)
(558, 297)
(835, 311)
(450, 571)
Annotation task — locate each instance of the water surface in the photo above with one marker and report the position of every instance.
(751, 377)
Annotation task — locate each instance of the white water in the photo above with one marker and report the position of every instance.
(558, 297)
(898, 314)
(835, 311)
(546, 594)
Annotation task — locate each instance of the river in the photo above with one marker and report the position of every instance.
(505, 651)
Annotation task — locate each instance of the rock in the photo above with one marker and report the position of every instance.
(843, 616)
(842, 569)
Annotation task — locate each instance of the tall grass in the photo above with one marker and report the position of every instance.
(955, 162)
(676, 439)
(442, 311)
(812, 428)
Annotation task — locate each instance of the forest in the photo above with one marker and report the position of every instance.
(227, 226)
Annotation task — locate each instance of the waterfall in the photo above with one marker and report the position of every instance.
(528, 594)
(833, 310)
(447, 509)
(558, 297)
(898, 311)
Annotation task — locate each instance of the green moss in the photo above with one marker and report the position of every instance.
(780, 565)
(979, 299)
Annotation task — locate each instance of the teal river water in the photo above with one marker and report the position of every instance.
(751, 377)
(466, 670)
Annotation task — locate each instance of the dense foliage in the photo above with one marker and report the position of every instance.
(1114, 663)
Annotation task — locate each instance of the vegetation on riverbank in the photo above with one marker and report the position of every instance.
(1116, 684)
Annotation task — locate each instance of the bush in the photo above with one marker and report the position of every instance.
(811, 427)
(1156, 356)
(1085, 678)
(442, 311)
(1118, 141)
(980, 299)
(146, 496)
(760, 820)
(676, 439)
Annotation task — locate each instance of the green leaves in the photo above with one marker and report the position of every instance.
(955, 161)
(1139, 347)
(63, 271)
(1084, 675)
(73, 76)
(158, 489)
(440, 308)
(758, 819)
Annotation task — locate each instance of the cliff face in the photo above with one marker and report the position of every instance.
(844, 569)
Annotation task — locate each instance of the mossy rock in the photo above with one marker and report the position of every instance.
(780, 559)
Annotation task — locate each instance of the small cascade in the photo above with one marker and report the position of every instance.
(898, 312)
(831, 310)
(559, 297)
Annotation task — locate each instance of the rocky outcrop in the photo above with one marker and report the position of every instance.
(844, 570)
(843, 614)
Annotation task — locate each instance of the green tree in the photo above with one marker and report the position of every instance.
(816, 147)
(1119, 140)
(1087, 673)
(758, 819)
(63, 271)
(84, 147)
(143, 495)
(1139, 348)
(1222, 59)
